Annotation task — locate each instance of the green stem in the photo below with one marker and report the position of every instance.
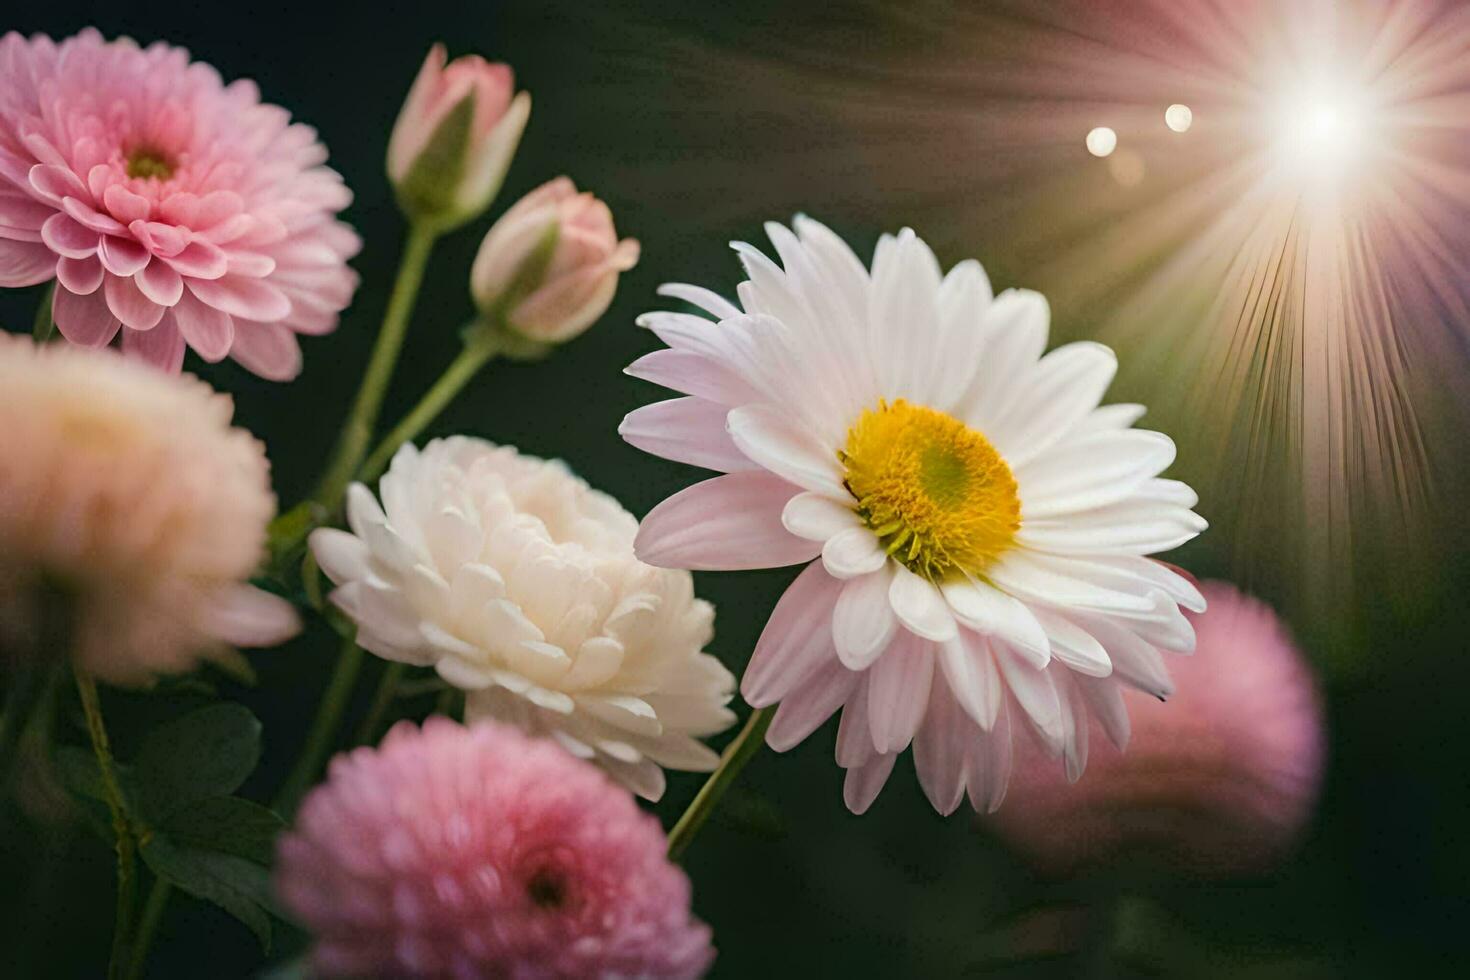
(478, 350)
(323, 734)
(382, 698)
(158, 897)
(736, 755)
(358, 430)
(122, 827)
(45, 322)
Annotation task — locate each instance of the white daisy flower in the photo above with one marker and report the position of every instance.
(981, 522)
(518, 583)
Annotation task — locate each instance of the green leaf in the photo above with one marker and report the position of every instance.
(207, 752)
(237, 885)
(78, 771)
(45, 324)
(227, 825)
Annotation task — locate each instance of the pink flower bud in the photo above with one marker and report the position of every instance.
(550, 265)
(455, 136)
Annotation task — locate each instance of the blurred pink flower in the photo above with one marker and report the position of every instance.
(446, 164)
(166, 203)
(553, 297)
(131, 491)
(1218, 779)
(480, 852)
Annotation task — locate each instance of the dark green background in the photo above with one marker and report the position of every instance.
(643, 104)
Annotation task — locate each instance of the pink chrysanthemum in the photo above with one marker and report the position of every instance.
(480, 852)
(167, 204)
(1219, 779)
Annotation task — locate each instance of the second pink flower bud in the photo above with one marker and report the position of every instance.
(549, 267)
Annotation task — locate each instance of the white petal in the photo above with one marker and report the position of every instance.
(1095, 471)
(771, 439)
(970, 671)
(796, 641)
(853, 552)
(817, 517)
(898, 692)
(341, 556)
(989, 611)
(1035, 693)
(863, 623)
(1066, 386)
(904, 320)
(693, 374)
(1104, 698)
(1074, 646)
(1041, 578)
(711, 302)
(1015, 326)
(1074, 725)
(919, 606)
(729, 522)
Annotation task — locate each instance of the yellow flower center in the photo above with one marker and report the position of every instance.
(149, 163)
(936, 492)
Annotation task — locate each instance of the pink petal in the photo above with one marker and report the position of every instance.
(863, 623)
(89, 217)
(81, 276)
(729, 522)
(66, 237)
(797, 640)
(939, 750)
(160, 283)
(163, 347)
(200, 260)
(209, 331)
(56, 183)
(247, 299)
(805, 709)
(865, 782)
(122, 256)
(84, 320)
(159, 238)
(898, 692)
(124, 205)
(250, 617)
(685, 430)
(692, 374)
(129, 305)
(23, 212)
(25, 263)
(253, 265)
(267, 349)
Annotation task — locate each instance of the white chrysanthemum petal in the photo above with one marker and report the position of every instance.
(711, 302)
(970, 670)
(774, 442)
(817, 517)
(991, 612)
(863, 623)
(919, 606)
(852, 552)
(519, 584)
(970, 501)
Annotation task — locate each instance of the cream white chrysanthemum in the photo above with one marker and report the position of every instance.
(517, 582)
(981, 522)
(127, 493)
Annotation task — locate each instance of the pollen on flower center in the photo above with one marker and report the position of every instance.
(936, 492)
(149, 163)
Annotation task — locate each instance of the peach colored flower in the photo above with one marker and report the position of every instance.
(1219, 778)
(129, 491)
(479, 852)
(551, 296)
(455, 137)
